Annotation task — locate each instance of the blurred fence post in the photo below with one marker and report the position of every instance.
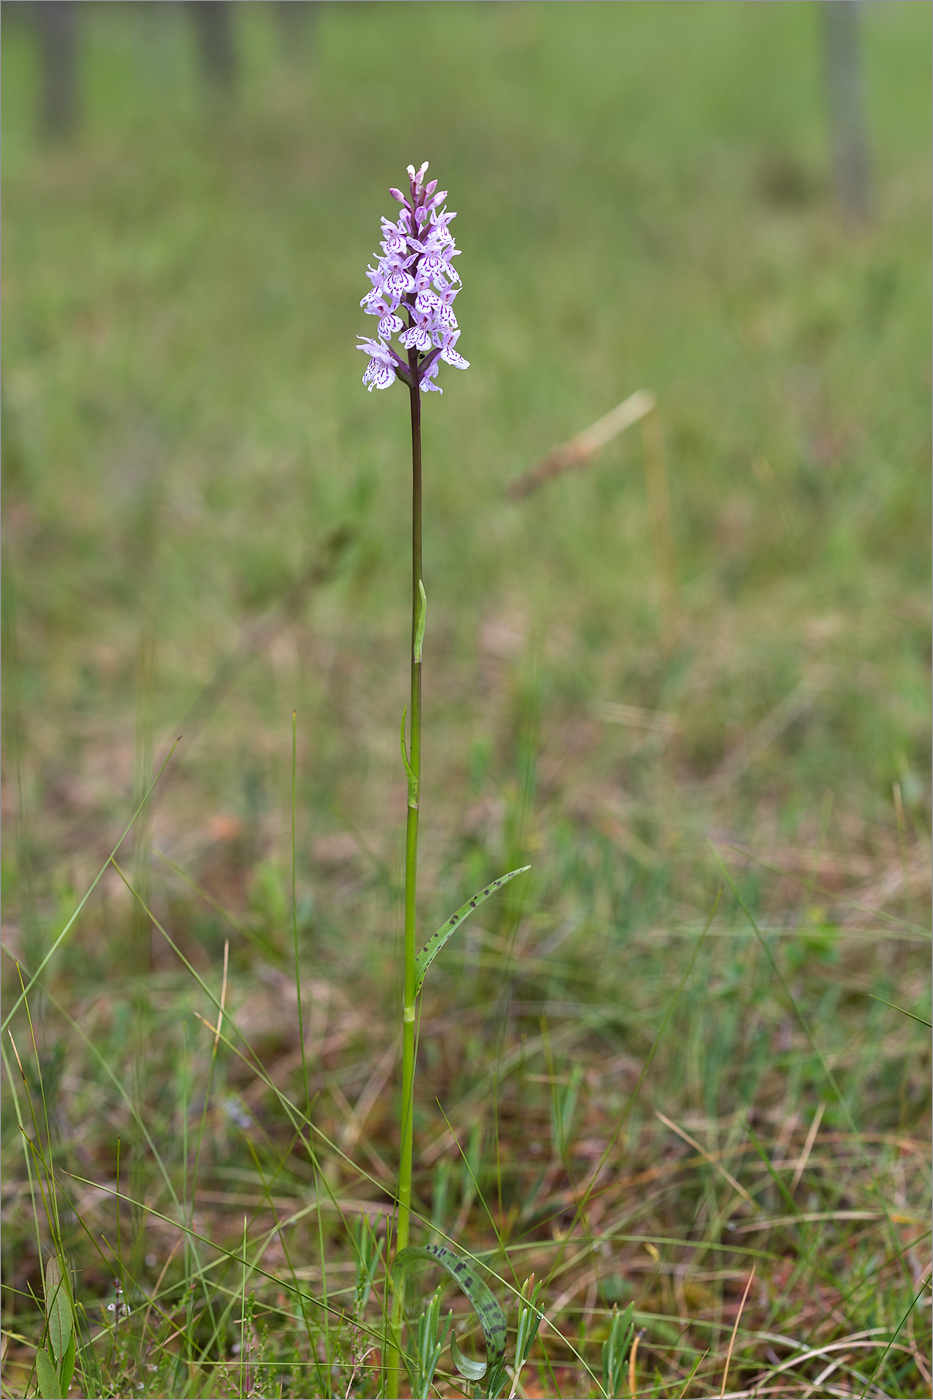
(846, 108)
(56, 25)
(213, 25)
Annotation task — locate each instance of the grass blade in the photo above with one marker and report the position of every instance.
(904, 1012)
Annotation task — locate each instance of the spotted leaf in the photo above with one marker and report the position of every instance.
(467, 1279)
(437, 940)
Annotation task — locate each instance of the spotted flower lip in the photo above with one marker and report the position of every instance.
(414, 285)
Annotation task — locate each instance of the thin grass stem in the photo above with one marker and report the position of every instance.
(301, 1024)
(90, 890)
(735, 1331)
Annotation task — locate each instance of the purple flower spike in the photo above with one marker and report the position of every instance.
(414, 284)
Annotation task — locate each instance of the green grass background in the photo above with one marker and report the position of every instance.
(644, 200)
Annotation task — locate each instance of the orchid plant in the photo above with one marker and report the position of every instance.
(414, 285)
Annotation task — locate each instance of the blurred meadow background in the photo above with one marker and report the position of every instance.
(623, 1086)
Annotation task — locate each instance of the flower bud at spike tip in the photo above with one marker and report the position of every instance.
(414, 285)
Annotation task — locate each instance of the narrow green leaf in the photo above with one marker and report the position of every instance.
(47, 1377)
(67, 1368)
(404, 749)
(412, 778)
(465, 1276)
(422, 619)
(57, 1310)
(437, 940)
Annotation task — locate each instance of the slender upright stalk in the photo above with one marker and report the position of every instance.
(413, 767)
(406, 1114)
(414, 286)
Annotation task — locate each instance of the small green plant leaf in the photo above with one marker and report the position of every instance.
(57, 1310)
(437, 940)
(469, 1370)
(428, 1347)
(422, 619)
(67, 1368)
(368, 1253)
(616, 1349)
(465, 1276)
(47, 1376)
(412, 778)
(530, 1318)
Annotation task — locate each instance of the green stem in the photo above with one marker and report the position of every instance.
(407, 1100)
(406, 1124)
(301, 1024)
